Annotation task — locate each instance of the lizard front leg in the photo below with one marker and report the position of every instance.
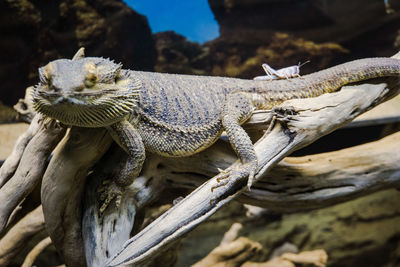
(128, 138)
(238, 109)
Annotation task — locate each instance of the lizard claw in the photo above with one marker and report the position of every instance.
(285, 114)
(281, 112)
(251, 168)
(109, 191)
(46, 121)
(244, 170)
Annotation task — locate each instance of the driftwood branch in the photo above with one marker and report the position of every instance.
(32, 255)
(321, 180)
(11, 163)
(62, 189)
(117, 223)
(310, 258)
(36, 144)
(72, 177)
(16, 238)
(24, 106)
(303, 183)
(234, 251)
(300, 183)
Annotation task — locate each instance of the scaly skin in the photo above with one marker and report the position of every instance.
(176, 115)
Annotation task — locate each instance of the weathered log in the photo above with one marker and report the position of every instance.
(30, 258)
(310, 258)
(233, 253)
(13, 242)
(62, 187)
(116, 223)
(11, 163)
(24, 106)
(25, 110)
(321, 180)
(304, 183)
(31, 166)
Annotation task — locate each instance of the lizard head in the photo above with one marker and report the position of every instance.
(86, 92)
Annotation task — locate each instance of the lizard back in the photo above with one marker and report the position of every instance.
(181, 114)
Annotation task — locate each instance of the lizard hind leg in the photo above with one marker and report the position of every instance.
(238, 109)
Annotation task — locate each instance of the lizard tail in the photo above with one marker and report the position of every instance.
(271, 93)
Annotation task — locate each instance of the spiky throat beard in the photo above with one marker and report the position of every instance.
(86, 109)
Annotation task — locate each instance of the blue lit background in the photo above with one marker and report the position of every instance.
(192, 18)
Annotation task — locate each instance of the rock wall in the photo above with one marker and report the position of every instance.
(34, 32)
(282, 33)
(175, 54)
(244, 59)
(365, 28)
(226, 57)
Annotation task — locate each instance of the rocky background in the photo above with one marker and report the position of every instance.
(364, 232)
(32, 33)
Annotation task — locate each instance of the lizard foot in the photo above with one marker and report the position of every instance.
(108, 191)
(284, 111)
(49, 122)
(46, 121)
(285, 114)
(244, 170)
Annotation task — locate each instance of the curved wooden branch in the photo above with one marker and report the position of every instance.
(32, 255)
(16, 238)
(116, 222)
(62, 187)
(299, 183)
(312, 119)
(31, 166)
(11, 163)
(317, 181)
(25, 110)
(24, 107)
(309, 258)
(233, 253)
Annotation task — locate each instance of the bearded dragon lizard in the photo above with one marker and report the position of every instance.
(176, 115)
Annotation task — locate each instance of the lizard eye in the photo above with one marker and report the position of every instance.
(90, 80)
(91, 74)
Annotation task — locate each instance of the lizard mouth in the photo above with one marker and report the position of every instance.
(86, 109)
